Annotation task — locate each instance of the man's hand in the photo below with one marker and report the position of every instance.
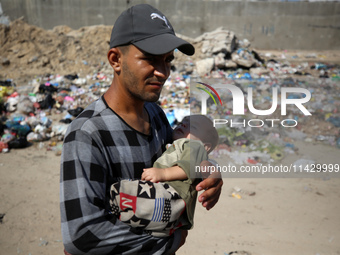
(212, 187)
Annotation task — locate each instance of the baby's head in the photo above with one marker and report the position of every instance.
(197, 127)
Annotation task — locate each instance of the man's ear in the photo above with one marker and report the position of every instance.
(207, 147)
(114, 56)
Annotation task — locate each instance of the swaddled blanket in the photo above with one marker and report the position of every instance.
(154, 207)
(161, 208)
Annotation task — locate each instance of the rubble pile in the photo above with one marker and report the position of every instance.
(220, 49)
(27, 51)
(221, 54)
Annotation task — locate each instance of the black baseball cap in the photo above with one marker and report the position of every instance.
(149, 30)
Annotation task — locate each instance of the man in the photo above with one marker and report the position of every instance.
(119, 135)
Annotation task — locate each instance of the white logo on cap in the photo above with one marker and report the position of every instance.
(156, 15)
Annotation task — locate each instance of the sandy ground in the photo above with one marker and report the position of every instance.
(285, 216)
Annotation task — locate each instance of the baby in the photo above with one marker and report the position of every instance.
(164, 200)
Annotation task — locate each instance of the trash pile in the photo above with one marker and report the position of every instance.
(254, 139)
(48, 77)
(44, 111)
(223, 59)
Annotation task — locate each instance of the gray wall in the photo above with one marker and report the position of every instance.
(267, 25)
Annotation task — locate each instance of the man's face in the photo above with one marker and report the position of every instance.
(143, 75)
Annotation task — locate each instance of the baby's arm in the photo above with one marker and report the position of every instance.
(154, 174)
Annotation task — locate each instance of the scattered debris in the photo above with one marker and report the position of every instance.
(40, 109)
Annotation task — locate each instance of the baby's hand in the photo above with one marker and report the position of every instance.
(153, 174)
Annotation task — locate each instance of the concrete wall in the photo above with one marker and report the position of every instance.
(267, 25)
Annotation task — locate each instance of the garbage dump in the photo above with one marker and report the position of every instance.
(63, 76)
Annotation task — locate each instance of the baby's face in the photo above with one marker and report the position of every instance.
(182, 130)
(190, 127)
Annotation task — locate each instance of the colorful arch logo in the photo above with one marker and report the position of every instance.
(209, 93)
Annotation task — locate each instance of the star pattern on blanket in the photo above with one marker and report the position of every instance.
(114, 190)
(145, 188)
(160, 206)
(172, 191)
(135, 224)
